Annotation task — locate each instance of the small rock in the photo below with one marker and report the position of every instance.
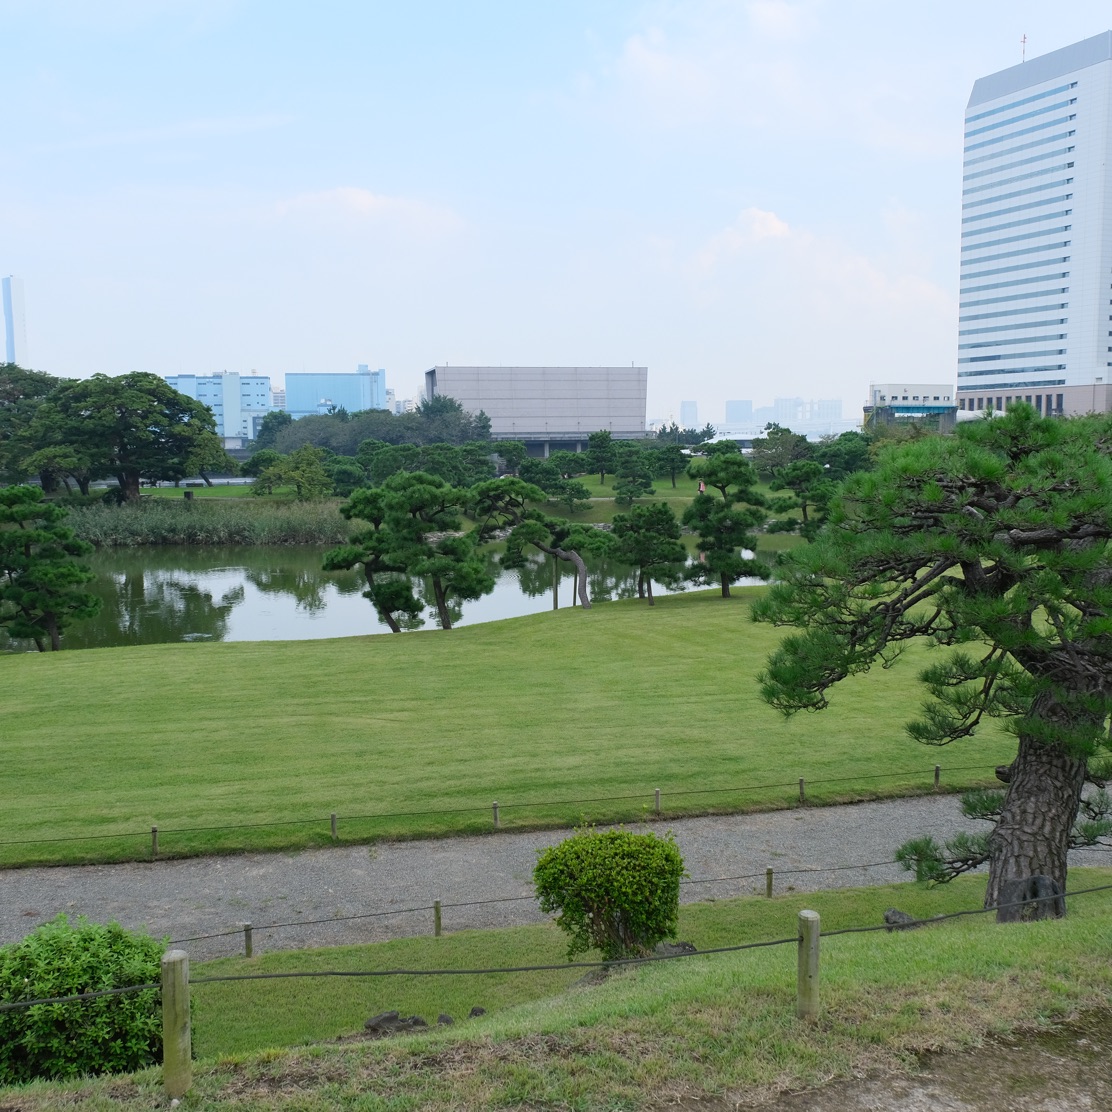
(671, 949)
(444, 1020)
(476, 1012)
(385, 1021)
(416, 1021)
(897, 920)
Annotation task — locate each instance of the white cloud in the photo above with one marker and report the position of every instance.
(357, 208)
(781, 19)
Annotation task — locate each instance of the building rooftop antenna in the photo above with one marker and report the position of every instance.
(1023, 48)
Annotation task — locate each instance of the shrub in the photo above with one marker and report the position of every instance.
(615, 891)
(110, 1034)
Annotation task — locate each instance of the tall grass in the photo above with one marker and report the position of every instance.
(156, 522)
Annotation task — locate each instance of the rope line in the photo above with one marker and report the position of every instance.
(481, 808)
(553, 967)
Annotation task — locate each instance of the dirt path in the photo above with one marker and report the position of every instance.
(209, 895)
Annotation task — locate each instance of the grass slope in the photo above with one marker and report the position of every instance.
(676, 1034)
(572, 705)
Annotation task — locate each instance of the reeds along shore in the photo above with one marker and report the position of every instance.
(239, 521)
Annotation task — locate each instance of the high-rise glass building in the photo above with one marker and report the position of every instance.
(311, 393)
(1036, 235)
(15, 322)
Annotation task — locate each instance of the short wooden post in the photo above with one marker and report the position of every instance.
(495, 805)
(656, 800)
(768, 882)
(436, 918)
(334, 833)
(807, 989)
(177, 1051)
(937, 776)
(248, 944)
(802, 791)
(154, 842)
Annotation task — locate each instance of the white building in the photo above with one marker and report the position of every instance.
(238, 402)
(1036, 239)
(15, 322)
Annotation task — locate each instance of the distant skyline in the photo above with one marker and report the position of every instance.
(754, 199)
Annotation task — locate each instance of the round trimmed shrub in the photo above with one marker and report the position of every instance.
(616, 892)
(111, 1034)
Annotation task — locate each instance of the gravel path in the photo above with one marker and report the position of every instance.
(209, 895)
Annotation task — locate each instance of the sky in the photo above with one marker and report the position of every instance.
(754, 198)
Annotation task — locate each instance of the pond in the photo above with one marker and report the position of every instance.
(169, 594)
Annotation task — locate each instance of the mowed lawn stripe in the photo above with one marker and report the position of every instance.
(617, 700)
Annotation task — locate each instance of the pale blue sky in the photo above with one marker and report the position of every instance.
(755, 199)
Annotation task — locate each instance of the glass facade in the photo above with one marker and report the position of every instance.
(1037, 144)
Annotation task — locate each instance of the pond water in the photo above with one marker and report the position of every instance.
(169, 594)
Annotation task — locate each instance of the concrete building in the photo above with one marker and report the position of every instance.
(929, 403)
(307, 394)
(238, 402)
(1036, 235)
(689, 415)
(15, 322)
(548, 407)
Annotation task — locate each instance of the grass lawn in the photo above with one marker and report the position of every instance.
(680, 1032)
(560, 706)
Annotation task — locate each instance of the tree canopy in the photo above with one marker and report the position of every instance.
(995, 546)
(40, 576)
(134, 427)
(725, 523)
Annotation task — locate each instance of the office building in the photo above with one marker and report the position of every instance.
(930, 404)
(238, 402)
(689, 415)
(307, 394)
(548, 407)
(15, 322)
(1036, 235)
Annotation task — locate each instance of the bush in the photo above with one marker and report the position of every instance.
(615, 891)
(111, 1034)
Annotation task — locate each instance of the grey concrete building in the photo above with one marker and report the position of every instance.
(549, 408)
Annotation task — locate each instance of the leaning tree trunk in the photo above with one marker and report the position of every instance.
(581, 571)
(441, 603)
(649, 580)
(385, 614)
(1032, 835)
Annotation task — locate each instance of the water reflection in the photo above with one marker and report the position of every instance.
(174, 594)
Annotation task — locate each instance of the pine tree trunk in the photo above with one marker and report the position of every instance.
(441, 603)
(725, 587)
(1032, 836)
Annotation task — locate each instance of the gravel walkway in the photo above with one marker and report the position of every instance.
(210, 895)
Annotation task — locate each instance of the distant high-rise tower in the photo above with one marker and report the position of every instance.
(15, 322)
(1036, 235)
(689, 415)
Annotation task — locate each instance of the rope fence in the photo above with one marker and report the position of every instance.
(175, 981)
(496, 808)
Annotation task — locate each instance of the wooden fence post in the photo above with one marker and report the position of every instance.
(768, 882)
(177, 1051)
(248, 945)
(495, 805)
(154, 842)
(335, 835)
(807, 988)
(937, 776)
(802, 791)
(656, 800)
(436, 918)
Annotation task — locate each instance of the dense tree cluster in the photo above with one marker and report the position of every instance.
(132, 428)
